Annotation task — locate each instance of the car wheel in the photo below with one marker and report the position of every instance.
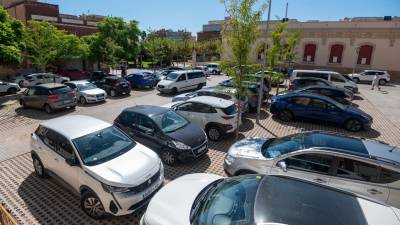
(353, 125)
(48, 109)
(22, 103)
(21, 83)
(200, 86)
(174, 90)
(82, 100)
(169, 157)
(382, 82)
(356, 80)
(12, 91)
(38, 166)
(113, 93)
(214, 133)
(92, 205)
(285, 115)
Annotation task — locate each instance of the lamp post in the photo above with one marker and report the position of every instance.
(355, 64)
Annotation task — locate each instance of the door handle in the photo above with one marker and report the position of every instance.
(55, 159)
(319, 180)
(374, 192)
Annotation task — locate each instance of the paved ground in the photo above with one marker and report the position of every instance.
(36, 201)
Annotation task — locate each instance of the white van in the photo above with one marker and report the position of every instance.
(182, 81)
(338, 79)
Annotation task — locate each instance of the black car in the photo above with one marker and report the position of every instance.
(98, 76)
(300, 83)
(340, 95)
(163, 130)
(114, 85)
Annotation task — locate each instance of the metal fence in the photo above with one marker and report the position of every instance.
(5, 217)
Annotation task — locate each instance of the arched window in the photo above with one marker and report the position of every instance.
(365, 55)
(309, 52)
(336, 53)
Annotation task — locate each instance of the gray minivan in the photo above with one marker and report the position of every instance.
(49, 97)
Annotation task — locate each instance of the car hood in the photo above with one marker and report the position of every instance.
(355, 110)
(129, 169)
(171, 104)
(249, 147)
(95, 91)
(172, 204)
(191, 135)
(353, 74)
(165, 82)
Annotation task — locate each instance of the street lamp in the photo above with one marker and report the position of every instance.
(357, 55)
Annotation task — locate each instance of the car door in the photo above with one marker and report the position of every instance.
(184, 109)
(30, 97)
(359, 176)
(299, 106)
(367, 76)
(182, 83)
(391, 178)
(146, 131)
(318, 110)
(338, 80)
(202, 114)
(308, 166)
(49, 140)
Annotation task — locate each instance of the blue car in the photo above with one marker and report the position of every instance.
(317, 107)
(340, 95)
(141, 80)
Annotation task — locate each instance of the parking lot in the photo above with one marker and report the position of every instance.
(36, 201)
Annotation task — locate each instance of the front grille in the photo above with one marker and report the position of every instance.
(146, 184)
(161, 86)
(144, 201)
(195, 150)
(100, 95)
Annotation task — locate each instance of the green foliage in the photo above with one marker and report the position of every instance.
(102, 49)
(11, 40)
(209, 47)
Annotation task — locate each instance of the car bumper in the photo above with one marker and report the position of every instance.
(124, 91)
(62, 105)
(95, 99)
(194, 153)
(164, 90)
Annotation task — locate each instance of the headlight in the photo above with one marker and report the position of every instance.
(179, 145)
(112, 189)
(229, 159)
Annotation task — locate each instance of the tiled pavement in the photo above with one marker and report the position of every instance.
(36, 201)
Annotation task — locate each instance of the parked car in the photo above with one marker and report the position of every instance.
(175, 68)
(202, 68)
(340, 95)
(182, 81)
(362, 166)
(98, 76)
(368, 76)
(268, 74)
(114, 85)
(207, 199)
(72, 73)
(170, 135)
(43, 78)
(49, 97)
(141, 80)
(332, 76)
(158, 75)
(19, 79)
(87, 92)
(112, 174)
(219, 92)
(213, 68)
(215, 115)
(319, 108)
(300, 83)
(9, 88)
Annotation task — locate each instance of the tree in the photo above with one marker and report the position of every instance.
(102, 50)
(240, 32)
(11, 40)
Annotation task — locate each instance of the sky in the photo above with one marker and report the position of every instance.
(192, 14)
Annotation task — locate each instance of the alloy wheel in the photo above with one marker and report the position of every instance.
(48, 109)
(93, 207)
(353, 125)
(113, 93)
(168, 157)
(214, 134)
(38, 167)
(285, 116)
(83, 100)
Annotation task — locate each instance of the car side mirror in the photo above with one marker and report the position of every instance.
(72, 161)
(282, 164)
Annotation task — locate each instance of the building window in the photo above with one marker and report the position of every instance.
(336, 53)
(365, 55)
(309, 52)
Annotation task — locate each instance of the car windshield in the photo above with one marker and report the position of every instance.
(278, 146)
(171, 76)
(60, 90)
(102, 146)
(86, 86)
(229, 201)
(170, 121)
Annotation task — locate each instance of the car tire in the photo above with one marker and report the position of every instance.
(353, 125)
(12, 91)
(286, 115)
(382, 82)
(21, 83)
(82, 100)
(38, 166)
(23, 104)
(113, 93)
(214, 133)
(92, 205)
(168, 157)
(174, 90)
(200, 86)
(47, 108)
(356, 80)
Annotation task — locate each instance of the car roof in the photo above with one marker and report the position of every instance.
(51, 85)
(212, 101)
(149, 110)
(324, 87)
(315, 71)
(219, 89)
(186, 71)
(78, 82)
(75, 126)
(310, 78)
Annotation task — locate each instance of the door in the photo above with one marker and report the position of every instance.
(359, 177)
(308, 166)
(31, 99)
(299, 106)
(338, 80)
(144, 131)
(318, 110)
(182, 83)
(192, 111)
(367, 76)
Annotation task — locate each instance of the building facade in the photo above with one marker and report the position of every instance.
(345, 45)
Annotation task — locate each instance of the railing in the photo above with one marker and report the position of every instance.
(5, 217)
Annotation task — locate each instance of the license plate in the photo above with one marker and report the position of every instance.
(67, 101)
(123, 93)
(149, 191)
(201, 149)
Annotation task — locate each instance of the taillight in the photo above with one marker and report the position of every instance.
(117, 84)
(227, 117)
(74, 93)
(291, 86)
(52, 97)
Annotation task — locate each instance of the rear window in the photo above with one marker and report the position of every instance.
(230, 110)
(195, 75)
(60, 90)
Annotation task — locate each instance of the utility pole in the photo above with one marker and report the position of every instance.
(287, 6)
(260, 89)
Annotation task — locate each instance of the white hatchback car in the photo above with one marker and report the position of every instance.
(182, 80)
(87, 92)
(110, 172)
(43, 78)
(215, 115)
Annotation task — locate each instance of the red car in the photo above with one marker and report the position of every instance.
(72, 73)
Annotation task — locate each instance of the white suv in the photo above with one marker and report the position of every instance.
(213, 68)
(43, 78)
(183, 80)
(9, 88)
(368, 75)
(112, 173)
(215, 115)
